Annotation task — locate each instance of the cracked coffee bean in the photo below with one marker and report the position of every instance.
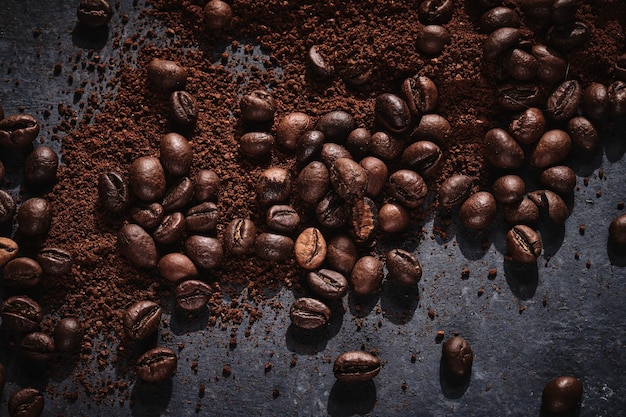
(20, 314)
(564, 101)
(239, 236)
(136, 245)
(157, 364)
(112, 191)
(18, 130)
(167, 74)
(94, 13)
(457, 357)
(282, 218)
(37, 347)
(68, 334)
(142, 319)
(356, 366)
(364, 219)
(421, 95)
(149, 216)
(331, 152)
(328, 284)
(528, 127)
(562, 395)
(403, 267)
(192, 295)
(523, 243)
(309, 313)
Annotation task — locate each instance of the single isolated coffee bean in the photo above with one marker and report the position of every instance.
(142, 319)
(336, 125)
(319, 64)
(20, 314)
(551, 149)
(217, 15)
(18, 130)
(112, 191)
(94, 13)
(256, 143)
(9, 249)
(432, 39)
(564, 101)
(206, 252)
(528, 127)
(176, 267)
(41, 166)
(273, 247)
(179, 196)
(499, 41)
(34, 216)
(617, 230)
(206, 184)
(176, 154)
(455, 190)
(478, 211)
(309, 146)
(157, 364)
(561, 179)
(273, 186)
(423, 156)
(171, 229)
(313, 182)
(22, 273)
(192, 295)
(68, 334)
(202, 218)
(595, 101)
(239, 236)
(457, 357)
(332, 211)
(328, 284)
(508, 189)
(257, 107)
(291, 127)
(562, 394)
(499, 17)
(522, 212)
(147, 178)
(356, 366)
(502, 151)
(377, 172)
(136, 245)
(584, 135)
(37, 347)
(309, 314)
(149, 216)
(167, 74)
(341, 253)
(183, 109)
(523, 243)
(551, 204)
(421, 95)
(392, 113)
(348, 178)
(386, 146)
(393, 218)
(364, 219)
(367, 275)
(408, 187)
(282, 218)
(403, 267)
(27, 402)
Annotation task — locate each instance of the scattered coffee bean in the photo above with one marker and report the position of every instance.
(319, 64)
(273, 186)
(356, 366)
(522, 212)
(617, 230)
(309, 313)
(478, 211)
(595, 101)
(149, 216)
(403, 267)
(386, 146)
(273, 247)
(192, 295)
(377, 172)
(256, 143)
(258, 107)
(561, 179)
(330, 152)
(520, 64)
(157, 364)
(393, 218)
(239, 236)
(179, 196)
(423, 156)
(392, 112)
(336, 125)
(421, 95)
(367, 275)
(332, 211)
(217, 15)
(455, 190)
(136, 245)
(502, 151)
(328, 284)
(41, 166)
(112, 191)
(523, 243)
(562, 394)
(313, 182)
(364, 219)
(528, 127)
(206, 184)
(9, 249)
(176, 267)
(20, 314)
(552, 66)
(171, 229)
(499, 17)
(564, 11)
(509, 189)
(499, 41)
(432, 39)
(202, 218)
(147, 178)
(22, 273)
(408, 187)
(341, 253)
(359, 141)
(564, 101)
(552, 148)
(18, 130)
(551, 204)
(457, 357)
(568, 35)
(167, 74)
(184, 109)
(94, 13)
(27, 402)
(176, 154)
(291, 127)
(348, 178)
(282, 218)
(584, 135)
(206, 252)
(142, 319)
(309, 146)
(34, 216)
(37, 347)
(617, 98)
(432, 127)
(68, 334)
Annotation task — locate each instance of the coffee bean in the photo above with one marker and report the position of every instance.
(595, 101)
(348, 178)
(423, 156)
(167, 74)
(282, 218)
(403, 267)
(41, 165)
(112, 191)
(517, 97)
(562, 395)
(142, 319)
(157, 364)
(341, 253)
(217, 15)
(291, 127)
(176, 154)
(540, 11)
(568, 35)
(408, 187)
(309, 146)
(432, 127)
(18, 130)
(432, 39)
(22, 273)
(619, 69)
(202, 218)
(499, 41)
(256, 143)
(564, 101)
(364, 219)
(37, 347)
(564, 11)
(520, 64)
(332, 211)
(523, 243)
(192, 295)
(9, 249)
(386, 146)
(257, 107)
(68, 334)
(561, 179)
(499, 17)
(376, 171)
(522, 212)
(94, 13)
(328, 284)
(478, 211)
(273, 186)
(309, 313)
(136, 245)
(149, 216)
(528, 127)
(552, 148)
(20, 314)
(147, 178)
(421, 95)
(551, 204)
(34, 216)
(206, 184)
(359, 141)
(552, 66)
(367, 275)
(435, 11)
(508, 189)
(457, 357)
(455, 190)
(205, 252)
(617, 230)
(616, 93)
(273, 247)
(176, 267)
(7, 207)
(171, 229)
(179, 196)
(356, 366)
(336, 125)
(313, 182)
(239, 236)
(184, 109)
(320, 65)
(27, 402)
(393, 218)
(392, 112)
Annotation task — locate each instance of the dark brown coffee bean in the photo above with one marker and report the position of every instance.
(564, 101)
(562, 395)
(41, 166)
(206, 252)
(551, 204)
(22, 273)
(94, 13)
(540, 11)
(167, 74)
(522, 212)
(239, 236)
(171, 229)
(552, 66)
(202, 218)
(310, 249)
(282, 218)
(478, 211)
(421, 95)
(435, 12)
(217, 15)
(616, 93)
(256, 143)
(568, 35)
(313, 182)
(179, 196)
(386, 146)
(330, 152)
(7, 207)
(18, 130)
(9, 249)
(328, 284)
(309, 146)
(341, 253)
(332, 211)
(432, 39)
(176, 267)
(499, 41)
(392, 113)
(112, 191)
(502, 151)
(320, 65)
(184, 109)
(273, 186)
(408, 187)
(423, 156)
(528, 127)
(68, 334)
(561, 179)
(176, 154)
(377, 173)
(564, 11)
(336, 125)
(273, 247)
(499, 17)
(403, 267)
(258, 107)
(206, 184)
(617, 230)
(20, 314)
(27, 402)
(309, 313)
(34, 216)
(157, 364)
(523, 243)
(364, 219)
(508, 189)
(367, 275)
(520, 65)
(356, 366)
(147, 178)
(455, 190)
(358, 141)
(457, 357)
(142, 319)
(595, 101)
(37, 347)
(348, 178)
(432, 127)
(517, 97)
(192, 295)
(149, 216)
(136, 245)
(291, 127)
(552, 148)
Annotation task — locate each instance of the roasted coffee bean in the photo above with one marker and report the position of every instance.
(176, 267)
(403, 267)
(256, 143)
(364, 219)
(517, 97)
(34, 216)
(551, 204)
(336, 125)
(20, 314)
(357, 70)
(149, 216)
(291, 127)
(273, 186)
(508, 189)
(176, 154)
(552, 66)
(359, 141)
(320, 65)
(313, 182)
(309, 313)
(217, 15)
(564, 101)
(157, 364)
(310, 249)
(68, 334)
(617, 230)
(377, 173)
(432, 39)
(7, 207)
(455, 190)
(432, 127)
(328, 284)
(616, 93)
(408, 187)
(392, 112)
(499, 41)
(568, 35)
(258, 107)
(206, 184)
(539, 11)
(142, 319)
(367, 275)
(332, 211)
(502, 151)
(22, 273)
(136, 245)
(9, 249)
(41, 166)
(522, 212)
(239, 236)
(564, 11)
(478, 211)
(421, 95)
(523, 243)
(561, 179)
(94, 13)
(552, 148)
(435, 12)
(147, 178)
(619, 69)
(37, 347)
(282, 218)
(499, 17)
(273, 247)
(167, 74)
(348, 178)
(356, 366)
(18, 130)
(184, 109)
(206, 252)
(386, 146)
(309, 146)
(330, 152)
(562, 395)
(423, 156)
(202, 218)
(192, 295)
(112, 191)
(171, 229)
(520, 65)
(27, 402)
(528, 127)
(179, 196)
(595, 101)
(457, 357)
(341, 253)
